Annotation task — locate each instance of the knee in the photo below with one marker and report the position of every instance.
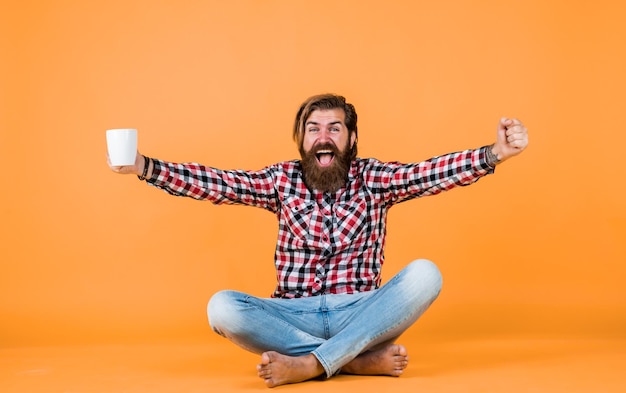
(220, 310)
(426, 274)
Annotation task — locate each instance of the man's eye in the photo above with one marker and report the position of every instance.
(334, 129)
(313, 129)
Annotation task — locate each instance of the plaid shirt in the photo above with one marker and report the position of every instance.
(327, 242)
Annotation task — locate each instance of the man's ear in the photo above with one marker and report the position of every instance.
(352, 139)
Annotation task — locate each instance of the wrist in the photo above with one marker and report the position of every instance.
(145, 169)
(492, 156)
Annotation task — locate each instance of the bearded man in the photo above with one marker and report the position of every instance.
(329, 312)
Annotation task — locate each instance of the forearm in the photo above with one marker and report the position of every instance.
(458, 169)
(188, 179)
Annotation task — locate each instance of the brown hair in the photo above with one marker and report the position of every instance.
(325, 102)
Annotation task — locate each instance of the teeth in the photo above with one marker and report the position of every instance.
(324, 152)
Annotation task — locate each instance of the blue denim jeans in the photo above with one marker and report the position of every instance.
(334, 328)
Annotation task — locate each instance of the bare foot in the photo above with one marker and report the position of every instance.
(277, 369)
(389, 360)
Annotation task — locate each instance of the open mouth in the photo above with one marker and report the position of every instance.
(325, 157)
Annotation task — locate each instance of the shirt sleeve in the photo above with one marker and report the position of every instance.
(398, 182)
(252, 188)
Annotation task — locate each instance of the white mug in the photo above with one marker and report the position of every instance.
(122, 146)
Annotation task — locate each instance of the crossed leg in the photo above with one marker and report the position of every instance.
(291, 348)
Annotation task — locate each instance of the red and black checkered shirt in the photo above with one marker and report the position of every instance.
(327, 242)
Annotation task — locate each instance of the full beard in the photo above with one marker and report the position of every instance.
(326, 179)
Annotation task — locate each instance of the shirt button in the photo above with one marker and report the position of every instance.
(325, 238)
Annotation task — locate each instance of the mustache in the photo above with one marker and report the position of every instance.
(325, 146)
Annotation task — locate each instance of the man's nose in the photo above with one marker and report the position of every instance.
(324, 136)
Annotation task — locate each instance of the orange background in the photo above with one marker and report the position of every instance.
(88, 256)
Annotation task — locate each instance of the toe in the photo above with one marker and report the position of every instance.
(266, 358)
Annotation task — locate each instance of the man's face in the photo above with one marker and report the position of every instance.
(325, 127)
(325, 150)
